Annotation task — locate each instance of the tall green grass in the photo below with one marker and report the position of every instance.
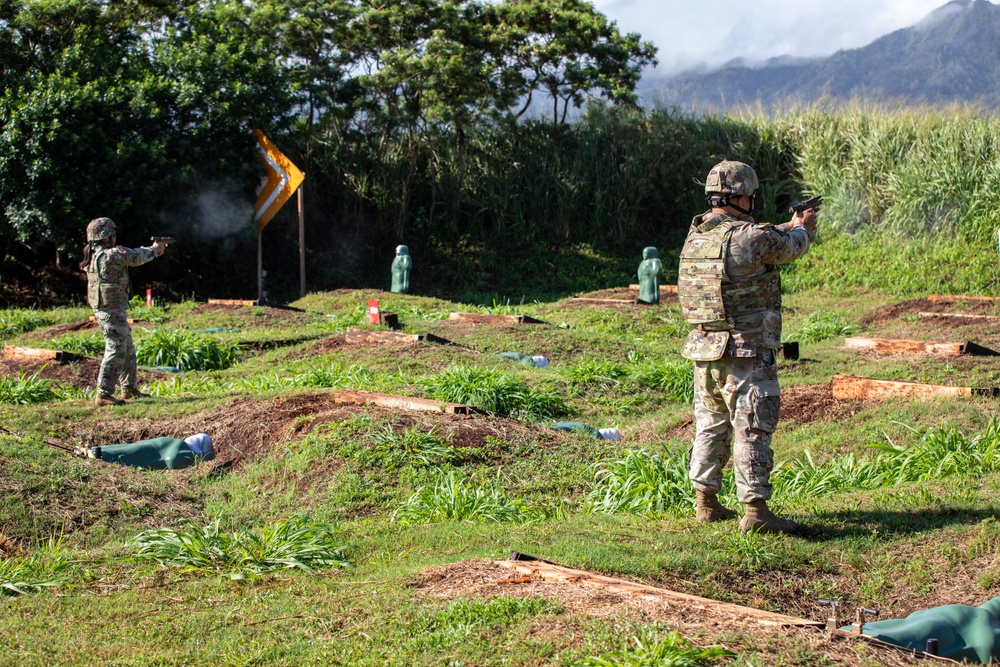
(817, 327)
(453, 499)
(671, 651)
(24, 389)
(672, 375)
(88, 344)
(46, 568)
(184, 350)
(15, 321)
(287, 544)
(648, 483)
(496, 391)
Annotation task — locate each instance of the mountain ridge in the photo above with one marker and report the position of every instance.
(952, 55)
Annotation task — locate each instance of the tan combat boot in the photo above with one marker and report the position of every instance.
(107, 399)
(709, 508)
(758, 517)
(133, 392)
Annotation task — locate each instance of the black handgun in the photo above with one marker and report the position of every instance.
(165, 240)
(800, 207)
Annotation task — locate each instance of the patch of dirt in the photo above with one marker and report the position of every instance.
(60, 329)
(248, 428)
(484, 579)
(81, 373)
(896, 311)
(264, 314)
(7, 548)
(804, 404)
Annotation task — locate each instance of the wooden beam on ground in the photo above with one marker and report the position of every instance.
(377, 336)
(902, 347)
(960, 316)
(19, 353)
(352, 397)
(560, 574)
(130, 320)
(852, 387)
(482, 318)
(590, 299)
(947, 298)
(664, 289)
(233, 302)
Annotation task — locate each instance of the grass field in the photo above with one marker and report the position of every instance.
(327, 533)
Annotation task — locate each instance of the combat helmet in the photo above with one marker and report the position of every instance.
(100, 229)
(730, 179)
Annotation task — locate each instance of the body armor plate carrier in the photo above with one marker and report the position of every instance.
(708, 298)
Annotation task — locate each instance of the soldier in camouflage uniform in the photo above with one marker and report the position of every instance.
(108, 289)
(730, 291)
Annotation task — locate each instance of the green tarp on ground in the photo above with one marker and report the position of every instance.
(962, 632)
(156, 454)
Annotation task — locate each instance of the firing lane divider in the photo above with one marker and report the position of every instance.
(233, 302)
(19, 353)
(909, 347)
(351, 397)
(853, 387)
(482, 318)
(664, 289)
(945, 298)
(353, 335)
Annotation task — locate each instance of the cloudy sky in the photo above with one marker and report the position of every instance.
(690, 33)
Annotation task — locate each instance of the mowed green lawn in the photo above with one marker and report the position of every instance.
(328, 534)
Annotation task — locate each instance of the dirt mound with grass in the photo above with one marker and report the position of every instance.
(71, 327)
(248, 429)
(804, 404)
(265, 315)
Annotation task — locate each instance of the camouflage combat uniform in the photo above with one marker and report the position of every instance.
(729, 288)
(108, 289)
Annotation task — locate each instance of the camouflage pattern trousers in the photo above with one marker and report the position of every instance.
(735, 398)
(118, 366)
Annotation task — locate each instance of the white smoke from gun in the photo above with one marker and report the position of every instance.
(223, 210)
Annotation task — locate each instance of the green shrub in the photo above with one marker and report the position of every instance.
(495, 391)
(643, 483)
(27, 389)
(452, 499)
(14, 321)
(288, 544)
(394, 448)
(673, 376)
(88, 344)
(184, 350)
(820, 326)
(671, 651)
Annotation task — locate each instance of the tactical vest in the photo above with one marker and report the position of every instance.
(708, 298)
(108, 284)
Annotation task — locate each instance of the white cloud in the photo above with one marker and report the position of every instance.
(689, 34)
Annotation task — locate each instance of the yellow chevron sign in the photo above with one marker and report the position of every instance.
(283, 178)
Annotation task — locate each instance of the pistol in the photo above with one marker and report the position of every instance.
(165, 240)
(800, 207)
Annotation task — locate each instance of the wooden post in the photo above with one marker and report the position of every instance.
(260, 267)
(302, 246)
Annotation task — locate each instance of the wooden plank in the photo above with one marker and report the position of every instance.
(961, 316)
(127, 319)
(20, 353)
(377, 336)
(664, 289)
(482, 318)
(560, 574)
(850, 387)
(233, 302)
(892, 346)
(404, 402)
(619, 302)
(947, 298)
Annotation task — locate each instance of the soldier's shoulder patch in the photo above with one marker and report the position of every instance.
(122, 249)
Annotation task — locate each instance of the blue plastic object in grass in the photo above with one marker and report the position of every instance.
(963, 633)
(580, 427)
(164, 369)
(537, 360)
